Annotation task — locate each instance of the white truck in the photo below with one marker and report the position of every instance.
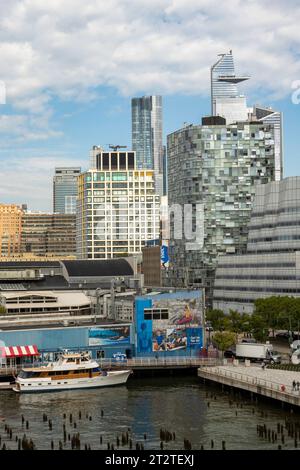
(257, 352)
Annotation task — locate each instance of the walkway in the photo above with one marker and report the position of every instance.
(272, 383)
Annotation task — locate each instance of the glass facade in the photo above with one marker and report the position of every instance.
(224, 91)
(65, 189)
(217, 167)
(271, 265)
(147, 136)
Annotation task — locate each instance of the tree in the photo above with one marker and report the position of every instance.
(219, 321)
(2, 309)
(259, 327)
(224, 339)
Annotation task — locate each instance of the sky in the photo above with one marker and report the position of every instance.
(68, 71)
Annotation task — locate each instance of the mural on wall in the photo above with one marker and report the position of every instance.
(169, 322)
(111, 336)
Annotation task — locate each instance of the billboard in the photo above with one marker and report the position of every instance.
(169, 322)
(164, 256)
(110, 336)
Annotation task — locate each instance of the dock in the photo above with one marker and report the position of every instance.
(270, 383)
(140, 366)
(144, 363)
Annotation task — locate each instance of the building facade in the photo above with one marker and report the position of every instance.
(10, 230)
(65, 188)
(212, 170)
(224, 85)
(147, 136)
(48, 235)
(271, 265)
(152, 266)
(228, 103)
(118, 209)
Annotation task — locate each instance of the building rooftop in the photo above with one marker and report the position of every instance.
(98, 268)
(28, 264)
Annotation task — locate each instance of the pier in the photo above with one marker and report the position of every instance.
(140, 366)
(270, 383)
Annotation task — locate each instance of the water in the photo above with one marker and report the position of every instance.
(179, 405)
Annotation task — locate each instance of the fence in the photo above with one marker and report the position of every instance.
(249, 379)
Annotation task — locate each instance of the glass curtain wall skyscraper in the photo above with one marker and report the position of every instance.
(227, 102)
(147, 136)
(214, 167)
(224, 81)
(65, 189)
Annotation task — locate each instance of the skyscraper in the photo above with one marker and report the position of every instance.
(270, 116)
(224, 82)
(228, 103)
(65, 189)
(118, 210)
(147, 136)
(214, 167)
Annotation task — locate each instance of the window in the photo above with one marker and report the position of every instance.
(156, 314)
(105, 161)
(130, 161)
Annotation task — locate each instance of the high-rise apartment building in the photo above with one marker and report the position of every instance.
(118, 209)
(65, 188)
(48, 235)
(271, 264)
(147, 140)
(213, 168)
(10, 230)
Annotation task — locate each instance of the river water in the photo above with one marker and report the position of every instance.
(183, 405)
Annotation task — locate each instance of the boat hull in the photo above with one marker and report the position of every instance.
(38, 385)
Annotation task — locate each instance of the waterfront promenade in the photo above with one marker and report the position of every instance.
(271, 383)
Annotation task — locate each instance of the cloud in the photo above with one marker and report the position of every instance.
(66, 50)
(29, 180)
(73, 47)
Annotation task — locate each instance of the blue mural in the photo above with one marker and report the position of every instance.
(169, 323)
(114, 335)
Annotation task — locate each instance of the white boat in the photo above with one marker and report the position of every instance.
(70, 371)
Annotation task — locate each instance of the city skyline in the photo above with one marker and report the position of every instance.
(52, 118)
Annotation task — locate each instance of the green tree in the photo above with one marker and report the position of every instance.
(224, 339)
(219, 321)
(259, 327)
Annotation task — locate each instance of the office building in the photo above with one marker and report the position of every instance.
(213, 168)
(118, 209)
(271, 264)
(65, 188)
(147, 136)
(224, 85)
(272, 117)
(10, 230)
(48, 235)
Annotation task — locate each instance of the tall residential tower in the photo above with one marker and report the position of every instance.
(118, 210)
(147, 136)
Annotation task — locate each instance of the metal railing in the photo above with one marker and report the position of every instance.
(251, 380)
(159, 362)
(129, 363)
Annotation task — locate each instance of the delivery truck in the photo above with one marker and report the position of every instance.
(257, 352)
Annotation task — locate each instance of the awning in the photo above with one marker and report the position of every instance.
(19, 351)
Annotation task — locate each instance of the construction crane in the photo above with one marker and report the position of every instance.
(116, 147)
